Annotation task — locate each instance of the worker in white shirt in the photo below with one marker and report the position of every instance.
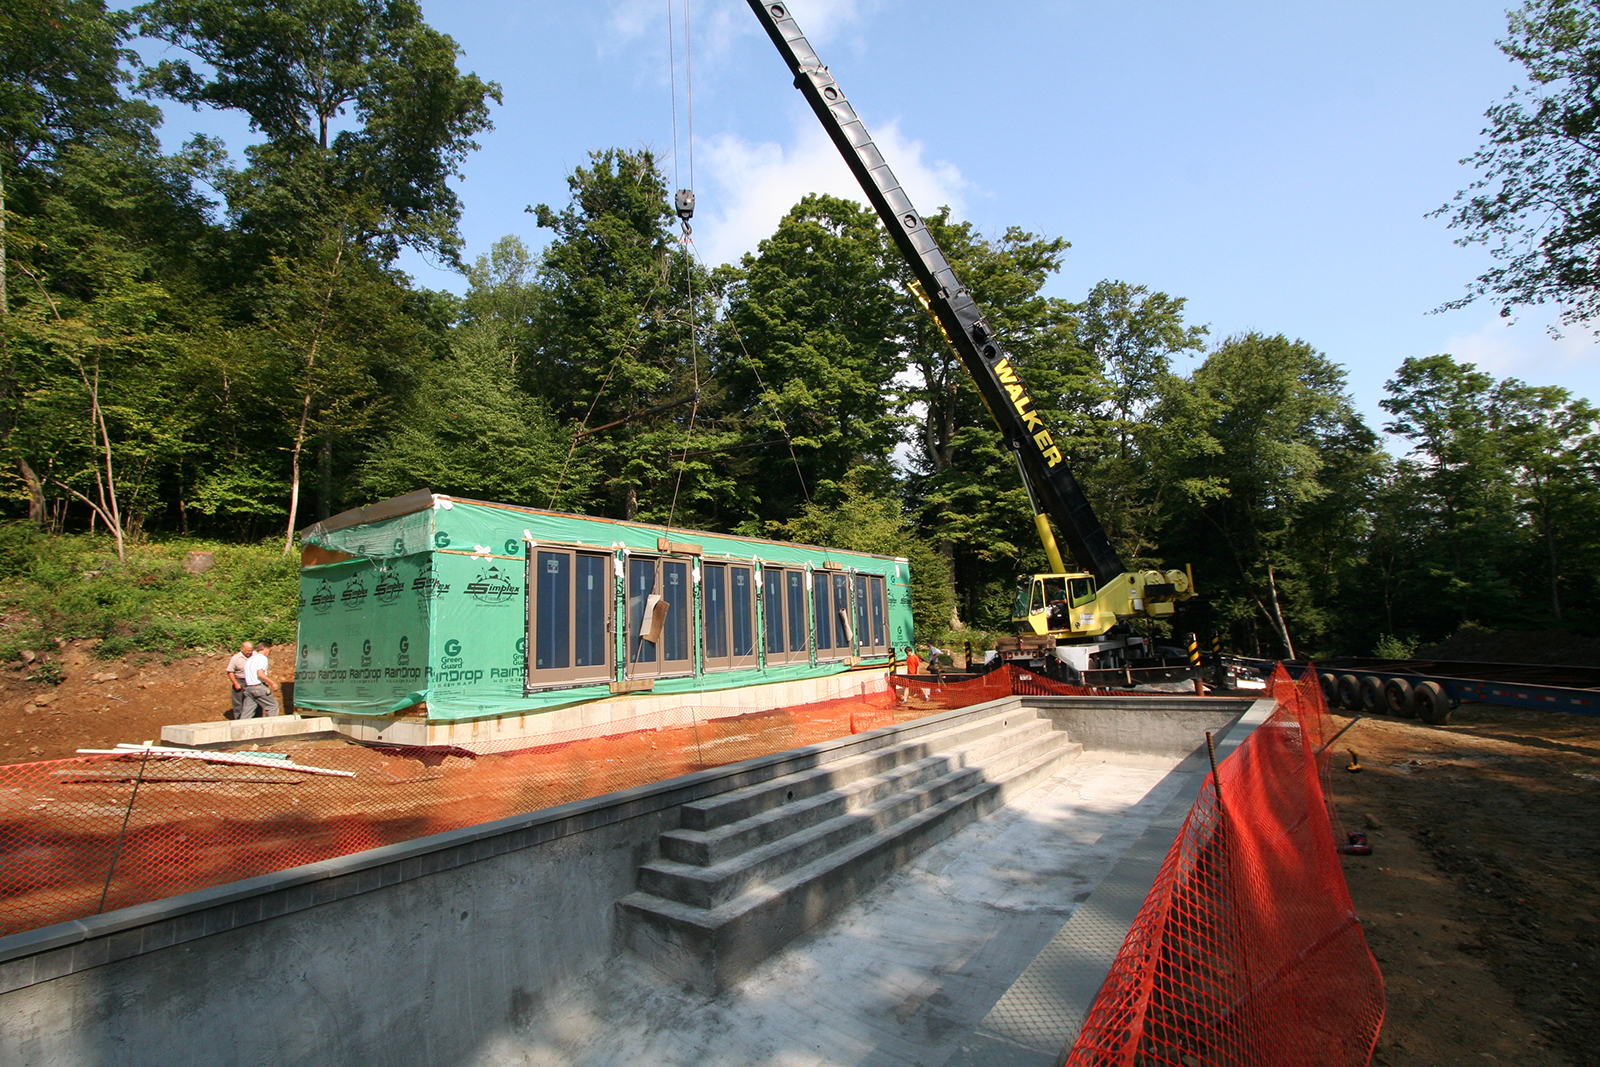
(258, 686)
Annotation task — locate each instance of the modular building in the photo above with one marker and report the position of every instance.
(465, 609)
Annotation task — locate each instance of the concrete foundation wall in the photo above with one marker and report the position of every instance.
(1155, 726)
(417, 953)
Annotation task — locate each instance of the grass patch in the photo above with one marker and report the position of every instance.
(72, 587)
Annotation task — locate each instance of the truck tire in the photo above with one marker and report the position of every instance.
(1371, 694)
(1330, 690)
(1397, 698)
(1348, 689)
(1432, 703)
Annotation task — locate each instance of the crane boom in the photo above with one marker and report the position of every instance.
(1044, 466)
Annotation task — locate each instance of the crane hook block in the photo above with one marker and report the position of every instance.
(685, 204)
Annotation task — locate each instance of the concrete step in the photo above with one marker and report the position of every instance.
(739, 804)
(710, 886)
(706, 848)
(707, 925)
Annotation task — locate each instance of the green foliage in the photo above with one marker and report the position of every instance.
(815, 324)
(1267, 461)
(469, 430)
(295, 68)
(72, 587)
(1389, 646)
(864, 515)
(1536, 202)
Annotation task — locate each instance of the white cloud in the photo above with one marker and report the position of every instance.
(748, 187)
(1524, 349)
(716, 26)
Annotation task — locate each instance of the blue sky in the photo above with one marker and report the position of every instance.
(1273, 163)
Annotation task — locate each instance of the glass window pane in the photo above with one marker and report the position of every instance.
(797, 610)
(674, 643)
(716, 594)
(863, 627)
(589, 611)
(877, 613)
(742, 597)
(552, 611)
(772, 606)
(841, 613)
(641, 583)
(824, 618)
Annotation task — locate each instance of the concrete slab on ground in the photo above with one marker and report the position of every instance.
(904, 975)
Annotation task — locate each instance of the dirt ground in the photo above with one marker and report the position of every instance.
(39, 721)
(1480, 899)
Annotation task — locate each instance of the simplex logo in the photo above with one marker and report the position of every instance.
(354, 594)
(390, 585)
(492, 587)
(426, 585)
(323, 598)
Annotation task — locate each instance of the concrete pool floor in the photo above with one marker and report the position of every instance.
(905, 975)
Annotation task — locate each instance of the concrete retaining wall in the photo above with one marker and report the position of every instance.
(417, 953)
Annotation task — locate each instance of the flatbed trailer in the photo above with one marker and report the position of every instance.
(1396, 685)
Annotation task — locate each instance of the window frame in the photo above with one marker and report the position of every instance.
(659, 667)
(732, 660)
(535, 678)
(777, 610)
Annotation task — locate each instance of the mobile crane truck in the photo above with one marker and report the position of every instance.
(1068, 621)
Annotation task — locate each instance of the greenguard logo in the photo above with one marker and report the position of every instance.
(323, 598)
(513, 547)
(354, 594)
(451, 660)
(441, 540)
(427, 586)
(333, 654)
(399, 546)
(404, 658)
(492, 587)
(390, 586)
(305, 653)
(366, 652)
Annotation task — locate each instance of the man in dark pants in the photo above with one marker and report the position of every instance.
(235, 672)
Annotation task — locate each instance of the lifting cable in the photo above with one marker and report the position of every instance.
(685, 209)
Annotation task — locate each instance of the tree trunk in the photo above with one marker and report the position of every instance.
(1277, 612)
(1555, 570)
(305, 405)
(5, 307)
(325, 479)
(630, 503)
(36, 513)
(947, 549)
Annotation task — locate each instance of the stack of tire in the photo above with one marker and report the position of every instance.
(1373, 694)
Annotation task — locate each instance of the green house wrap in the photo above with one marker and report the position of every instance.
(477, 609)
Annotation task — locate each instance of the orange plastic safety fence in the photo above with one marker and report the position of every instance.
(89, 834)
(85, 835)
(1247, 950)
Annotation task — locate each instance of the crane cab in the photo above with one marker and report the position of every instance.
(1061, 605)
(1074, 606)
